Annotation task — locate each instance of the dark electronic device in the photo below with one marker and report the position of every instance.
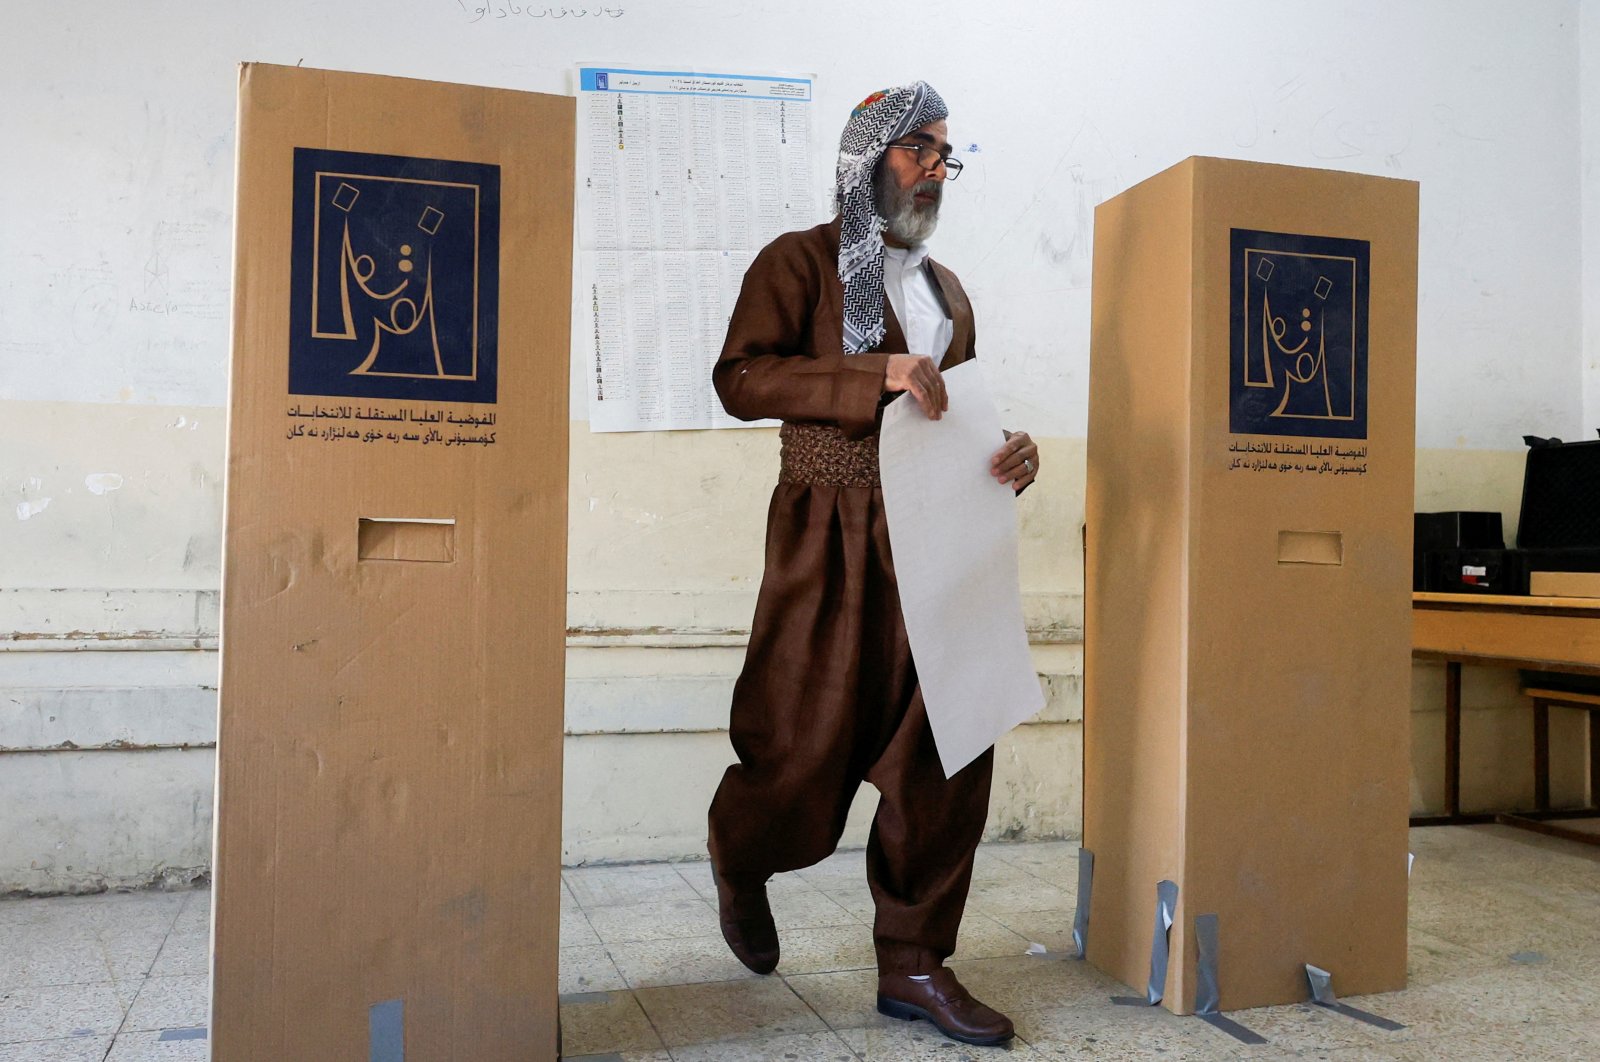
(1435, 532)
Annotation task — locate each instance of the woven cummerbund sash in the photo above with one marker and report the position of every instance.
(819, 455)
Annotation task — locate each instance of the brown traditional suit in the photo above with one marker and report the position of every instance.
(829, 696)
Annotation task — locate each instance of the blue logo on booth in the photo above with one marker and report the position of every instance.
(1298, 357)
(394, 277)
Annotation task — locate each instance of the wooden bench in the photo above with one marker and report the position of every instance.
(1529, 633)
(1544, 700)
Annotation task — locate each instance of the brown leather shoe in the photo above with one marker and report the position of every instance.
(943, 1001)
(747, 924)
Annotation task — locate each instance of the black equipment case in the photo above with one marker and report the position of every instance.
(1558, 529)
(1439, 541)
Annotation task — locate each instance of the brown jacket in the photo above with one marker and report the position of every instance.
(784, 357)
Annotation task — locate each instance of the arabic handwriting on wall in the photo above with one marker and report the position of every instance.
(328, 423)
(507, 10)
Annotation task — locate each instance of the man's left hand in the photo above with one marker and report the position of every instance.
(1017, 462)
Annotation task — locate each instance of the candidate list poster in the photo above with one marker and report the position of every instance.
(682, 178)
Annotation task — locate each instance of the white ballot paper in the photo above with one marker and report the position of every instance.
(953, 532)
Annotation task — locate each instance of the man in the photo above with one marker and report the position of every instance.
(830, 325)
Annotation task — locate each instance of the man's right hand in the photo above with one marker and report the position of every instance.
(918, 374)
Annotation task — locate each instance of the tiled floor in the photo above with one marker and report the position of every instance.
(1505, 964)
(118, 977)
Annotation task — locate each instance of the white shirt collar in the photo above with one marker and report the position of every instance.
(907, 257)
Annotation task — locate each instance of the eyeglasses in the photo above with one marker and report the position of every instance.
(930, 158)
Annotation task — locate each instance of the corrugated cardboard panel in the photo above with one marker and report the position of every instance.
(389, 759)
(1299, 683)
(1292, 714)
(1137, 513)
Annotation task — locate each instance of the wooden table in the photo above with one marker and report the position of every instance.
(1540, 633)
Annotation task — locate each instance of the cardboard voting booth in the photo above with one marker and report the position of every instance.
(1247, 628)
(389, 759)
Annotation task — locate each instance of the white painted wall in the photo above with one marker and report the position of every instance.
(114, 264)
(1589, 81)
(118, 167)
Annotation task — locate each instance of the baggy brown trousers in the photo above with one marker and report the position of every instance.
(828, 697)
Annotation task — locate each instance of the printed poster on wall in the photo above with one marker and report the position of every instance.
(682, 178)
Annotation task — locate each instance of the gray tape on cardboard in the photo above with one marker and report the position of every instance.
(1322, 995)
(386, 1031)
(1166, 908)
(1208, 990)
(1080, 918)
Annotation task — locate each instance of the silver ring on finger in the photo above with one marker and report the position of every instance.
(1028, 465)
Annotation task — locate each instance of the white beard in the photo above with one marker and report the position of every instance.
(908, 221)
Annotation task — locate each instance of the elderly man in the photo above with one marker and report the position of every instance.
(832, 323)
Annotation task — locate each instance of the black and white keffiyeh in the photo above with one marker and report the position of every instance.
(876, 121)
